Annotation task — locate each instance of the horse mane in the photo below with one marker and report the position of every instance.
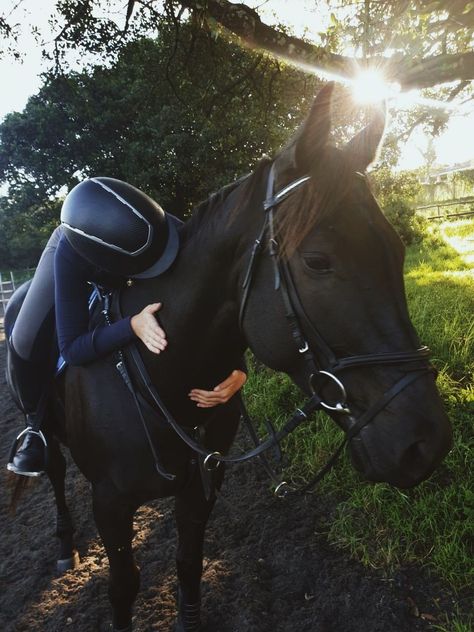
(297, 215)
(217, 200)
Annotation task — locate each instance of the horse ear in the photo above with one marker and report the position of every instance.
(363, 148)
(307, 144)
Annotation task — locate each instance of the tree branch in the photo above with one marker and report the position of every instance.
(245, 22)
(411, 73)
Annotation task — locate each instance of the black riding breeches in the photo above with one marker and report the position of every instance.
(31, 342)
(31, 335)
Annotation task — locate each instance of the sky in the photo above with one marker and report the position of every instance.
(23, 80)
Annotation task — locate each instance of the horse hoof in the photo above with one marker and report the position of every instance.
(68, 564)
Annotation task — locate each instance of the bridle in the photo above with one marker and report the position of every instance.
(294, 310)
(415, 362)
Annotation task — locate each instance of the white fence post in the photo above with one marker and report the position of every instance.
(6, 290)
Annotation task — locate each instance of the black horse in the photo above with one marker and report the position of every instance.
(323, 278)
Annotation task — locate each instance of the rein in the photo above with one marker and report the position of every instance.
(295, 315)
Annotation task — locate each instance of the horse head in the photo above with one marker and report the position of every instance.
(330, 297)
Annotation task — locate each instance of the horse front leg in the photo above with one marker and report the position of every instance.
(56, 470)
(114, 519)
(192, 511)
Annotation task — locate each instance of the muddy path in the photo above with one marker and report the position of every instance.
(267, 567)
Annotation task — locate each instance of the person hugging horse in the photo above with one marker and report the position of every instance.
(110, 233)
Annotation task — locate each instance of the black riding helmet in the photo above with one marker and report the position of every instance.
(119, 228)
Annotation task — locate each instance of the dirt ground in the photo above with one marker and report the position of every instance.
(267, 569)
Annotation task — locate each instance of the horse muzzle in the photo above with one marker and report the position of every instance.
(402, 447)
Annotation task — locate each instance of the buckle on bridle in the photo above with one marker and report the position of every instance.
(338, 407)
(282, 490)
(206, 463)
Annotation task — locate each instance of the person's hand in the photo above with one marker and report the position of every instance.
(146, 327)
(221, 393)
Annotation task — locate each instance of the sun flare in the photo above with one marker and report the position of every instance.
(370, 86)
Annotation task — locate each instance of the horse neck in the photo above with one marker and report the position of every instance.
(201, 292)
(212, 259)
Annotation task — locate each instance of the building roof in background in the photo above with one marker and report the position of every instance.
(467, 165)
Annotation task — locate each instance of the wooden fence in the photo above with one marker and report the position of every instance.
(436, 210)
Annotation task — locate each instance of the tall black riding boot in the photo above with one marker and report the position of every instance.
(28, 382)
(30, 458)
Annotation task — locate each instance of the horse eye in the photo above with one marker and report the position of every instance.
(317, 262)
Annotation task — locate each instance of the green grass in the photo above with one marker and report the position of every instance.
(463, 228)
(457, 623)
(433, 524)
(440, 292)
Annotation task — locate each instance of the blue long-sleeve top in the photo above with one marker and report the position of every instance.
(77, 344)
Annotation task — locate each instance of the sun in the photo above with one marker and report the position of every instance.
(370, 86)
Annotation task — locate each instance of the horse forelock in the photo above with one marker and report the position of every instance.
(330, 185)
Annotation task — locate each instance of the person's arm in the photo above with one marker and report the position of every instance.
(147, 329)
(77, 344)
(221, 393)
